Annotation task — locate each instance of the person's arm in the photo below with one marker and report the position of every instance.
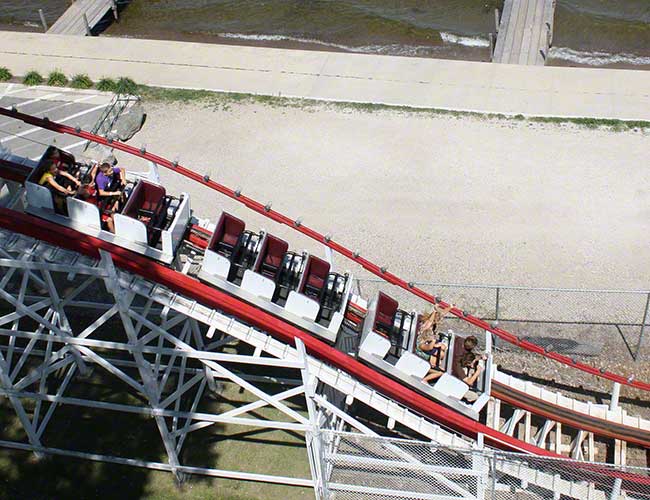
(108, 193)
(123, 175)
(442, 312)
(92, 173)
(71, 177)
(470, 379)
(58, 187)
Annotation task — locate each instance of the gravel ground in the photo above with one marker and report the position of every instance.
(439, 198)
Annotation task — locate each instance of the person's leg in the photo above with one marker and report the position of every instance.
(432, 375)
(110, 224)
(443, 353)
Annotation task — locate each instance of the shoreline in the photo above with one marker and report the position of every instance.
(451, 85)
(453, 52)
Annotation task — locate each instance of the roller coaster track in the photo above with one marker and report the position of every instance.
(25, 234)
(179, 283)
(296, 224)
(554, 407)
(600, 426)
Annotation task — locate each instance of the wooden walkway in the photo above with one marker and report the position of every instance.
(525, 32)
(72, 22)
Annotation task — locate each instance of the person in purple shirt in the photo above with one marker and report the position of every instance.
(110, 181)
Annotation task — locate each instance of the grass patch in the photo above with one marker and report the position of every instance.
(126, 86)
(106, 85)
(221, 446)
(81, 81)
(33, 78)
(57, 79)
(224, 99)
(5, 74)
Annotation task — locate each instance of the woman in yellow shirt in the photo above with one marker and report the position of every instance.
(48, 179)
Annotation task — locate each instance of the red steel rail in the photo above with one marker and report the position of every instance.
(191, 287)
(380, 271)
(180, 283)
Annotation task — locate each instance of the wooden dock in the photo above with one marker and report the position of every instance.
(525, 32)
(82, 16)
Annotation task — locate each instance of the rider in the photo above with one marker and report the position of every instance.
(49, 179)
(110, 182)
(429, 347)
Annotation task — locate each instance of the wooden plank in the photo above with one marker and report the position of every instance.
(533, 54)
(503, 28)
(523, 32)
(506, 32)
(71, 21)
(513, 56)
(527, 32)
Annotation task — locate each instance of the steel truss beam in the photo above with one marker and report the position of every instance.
(156, 344)
(160, 345)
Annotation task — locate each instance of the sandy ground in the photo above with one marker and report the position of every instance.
(441, 198)
(461, 200)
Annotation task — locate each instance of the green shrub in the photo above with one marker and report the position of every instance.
(106, 85)
(57, 79)
(81, 81)
(33, 78)
(5, 74)
(126, 86)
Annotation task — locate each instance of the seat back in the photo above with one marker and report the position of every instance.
(385, 313)
(37, 172)
(315, 276)
(458, 352)
(145, 197)
(226, 234)
(270, 256)
(147, 204)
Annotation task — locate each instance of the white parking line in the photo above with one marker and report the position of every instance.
(32, 101)
(21, 89)
(36, 129)
(48, 109)
(7, 90)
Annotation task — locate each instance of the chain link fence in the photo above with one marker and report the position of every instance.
(620, 314)
(357, 466)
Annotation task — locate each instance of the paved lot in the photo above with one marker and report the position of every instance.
(68, 106)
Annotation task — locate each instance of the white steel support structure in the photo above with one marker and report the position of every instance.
(64, 316)
(154, 346)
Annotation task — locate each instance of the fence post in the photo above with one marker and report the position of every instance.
(645, 318)
(494, 474)
(616, 489)
(616, 391)
(87, 25)
(496, 309)
(491, 38)
(43, 21)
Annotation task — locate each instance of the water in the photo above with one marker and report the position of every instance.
(587, 32)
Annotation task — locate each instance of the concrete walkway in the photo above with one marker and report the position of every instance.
(418, 82)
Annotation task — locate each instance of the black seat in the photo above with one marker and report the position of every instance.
(331, 296)
(288, 277)
(244, 255)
